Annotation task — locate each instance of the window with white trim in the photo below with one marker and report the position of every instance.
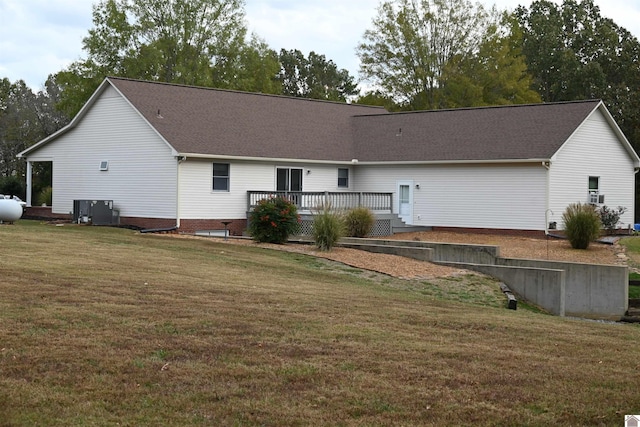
(343, 178)
(594, 190)
(288, 179)
(221, 176)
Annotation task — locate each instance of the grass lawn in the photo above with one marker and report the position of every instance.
(105, 326)
(632, 245)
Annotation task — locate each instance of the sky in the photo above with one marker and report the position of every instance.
(42, 37)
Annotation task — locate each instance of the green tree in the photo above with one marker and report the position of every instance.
(25, 118)
(414, 42)
(377, 98)
(563, 45)
(196, 42)
(257, 69)
(314, 77)
(496, 75)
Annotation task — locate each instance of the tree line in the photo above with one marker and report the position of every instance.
(416, 55)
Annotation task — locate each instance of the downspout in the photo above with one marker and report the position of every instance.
(178, 210)
(633, 217)
(547, 166)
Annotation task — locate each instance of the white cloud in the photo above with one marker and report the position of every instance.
(41, 37)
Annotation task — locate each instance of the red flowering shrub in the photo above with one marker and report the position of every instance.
(273, 220)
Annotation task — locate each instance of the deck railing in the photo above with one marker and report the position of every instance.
(310, 201)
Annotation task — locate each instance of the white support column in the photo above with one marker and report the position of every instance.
(29, 182)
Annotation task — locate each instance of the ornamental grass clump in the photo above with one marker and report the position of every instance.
(273, 220)
(358, 222)
(581, 225)
(328, 228)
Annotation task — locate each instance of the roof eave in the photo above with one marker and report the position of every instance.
(358, 162)
(453, 162)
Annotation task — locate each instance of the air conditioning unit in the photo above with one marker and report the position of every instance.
(97, 212)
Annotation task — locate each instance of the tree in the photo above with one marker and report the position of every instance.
(562, 45)
(255, 69)
(412, 43)
(166, 40)
(25, 118)
(496, 75)
(314, 77)
(196, 42)
(376, 98)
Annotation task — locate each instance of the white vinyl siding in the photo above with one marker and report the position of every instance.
(593, 151)
(199, 201)
(473, 196)
(141, 175)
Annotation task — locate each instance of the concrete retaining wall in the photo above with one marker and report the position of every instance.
(562, 288)
(544, 287)
(421, 254)
(452, 252)
(591, 291)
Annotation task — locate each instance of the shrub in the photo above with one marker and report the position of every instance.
(328, 228)
(581, 224)
(273, 220)
(358, 222)
(610, 218)
(45, 197)
(12, 186)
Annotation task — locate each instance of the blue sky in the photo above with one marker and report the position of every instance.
(41, 37)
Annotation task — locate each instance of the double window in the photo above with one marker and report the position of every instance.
(221, 177)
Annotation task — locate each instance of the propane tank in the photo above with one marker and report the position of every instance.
(10, 210)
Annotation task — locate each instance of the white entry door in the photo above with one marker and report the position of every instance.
(405, 201)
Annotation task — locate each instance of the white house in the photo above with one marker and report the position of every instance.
(170, 155)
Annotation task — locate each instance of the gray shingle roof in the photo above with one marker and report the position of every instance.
(514, 132)
(219, 122)
(228, 123)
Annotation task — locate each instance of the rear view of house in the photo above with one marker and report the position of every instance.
(192, 158)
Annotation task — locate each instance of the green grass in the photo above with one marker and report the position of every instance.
(104, 326)
(632, 245)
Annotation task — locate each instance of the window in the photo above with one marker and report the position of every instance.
(343, 177)
(594, 190)
(221, 177)
(288, 179)
(104, 165)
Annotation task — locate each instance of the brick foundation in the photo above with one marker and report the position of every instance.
(236, 226)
